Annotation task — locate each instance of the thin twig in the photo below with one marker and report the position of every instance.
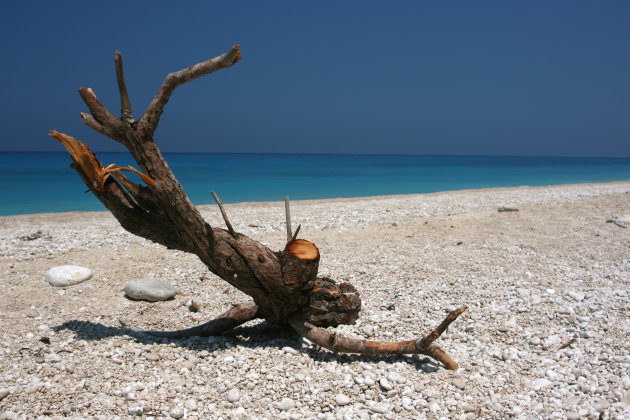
(148, 122)
(296, 233)
(223, 213)
(616, 223)
(433, 335)
(287, 210)
(125, 105)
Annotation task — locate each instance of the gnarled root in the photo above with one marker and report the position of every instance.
(237, 315)
(338, 343)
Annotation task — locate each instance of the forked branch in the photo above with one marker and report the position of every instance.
(148, 122)
(339, 343)
(111, 126)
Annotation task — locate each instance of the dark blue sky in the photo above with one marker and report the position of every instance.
(483, 78)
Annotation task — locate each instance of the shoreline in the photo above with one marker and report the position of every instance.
(544, 335)
(256, 204)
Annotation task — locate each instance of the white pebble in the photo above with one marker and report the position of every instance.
(290, 350)
(541, 383)
(385, 384)
(233, 395)
(341, 399)
(177, 413)
(286, 404)
(67, 275)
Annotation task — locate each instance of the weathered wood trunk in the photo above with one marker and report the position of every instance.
(283, 285)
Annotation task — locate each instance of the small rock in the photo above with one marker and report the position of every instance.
(233, 395)
(504, 208)
(151, 289)
(290, 350)
(67, 275)
(191, 404)
(469, 408)
(154, 357)
(428, 368)
(385, 384)
(286, 404)
(135, 411)
(379, 408)
(341, 399)
(193, 306)
(459, 383)
(204, 353)
(368, 330)
(541, 383)
(52, 358)
(572, 415)
(4, 393)
(577, 296)
(177, 413)
(600, 407)
(434, 407)
(535, 341)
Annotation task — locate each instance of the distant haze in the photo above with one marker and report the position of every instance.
(529, 78)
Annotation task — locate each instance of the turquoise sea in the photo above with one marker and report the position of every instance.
(44, 182)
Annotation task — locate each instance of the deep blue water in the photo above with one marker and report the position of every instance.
(44, 182)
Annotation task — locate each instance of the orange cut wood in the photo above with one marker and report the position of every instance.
(303, 250)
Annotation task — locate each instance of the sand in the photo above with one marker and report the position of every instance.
(545, 335)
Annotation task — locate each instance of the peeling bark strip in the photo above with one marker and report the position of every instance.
(283, 285)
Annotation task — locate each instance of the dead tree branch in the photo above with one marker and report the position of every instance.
(284, 285)
(148, 122)
(237, 315)
(223, 213)
(125, 106)
(341, 344)
(287, 211)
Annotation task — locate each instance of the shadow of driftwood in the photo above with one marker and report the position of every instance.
(262, 334)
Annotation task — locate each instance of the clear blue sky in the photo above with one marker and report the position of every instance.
(483, 78)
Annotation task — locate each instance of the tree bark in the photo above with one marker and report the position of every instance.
(283, 285)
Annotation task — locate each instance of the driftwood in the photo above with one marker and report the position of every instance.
(283, 285)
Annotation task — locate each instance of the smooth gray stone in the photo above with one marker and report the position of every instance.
(67, 275)
(151, 289)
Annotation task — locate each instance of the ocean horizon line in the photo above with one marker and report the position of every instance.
(280, 200)
(339, 154)
(36, 182)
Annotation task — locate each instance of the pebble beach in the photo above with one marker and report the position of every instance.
(545, 335)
